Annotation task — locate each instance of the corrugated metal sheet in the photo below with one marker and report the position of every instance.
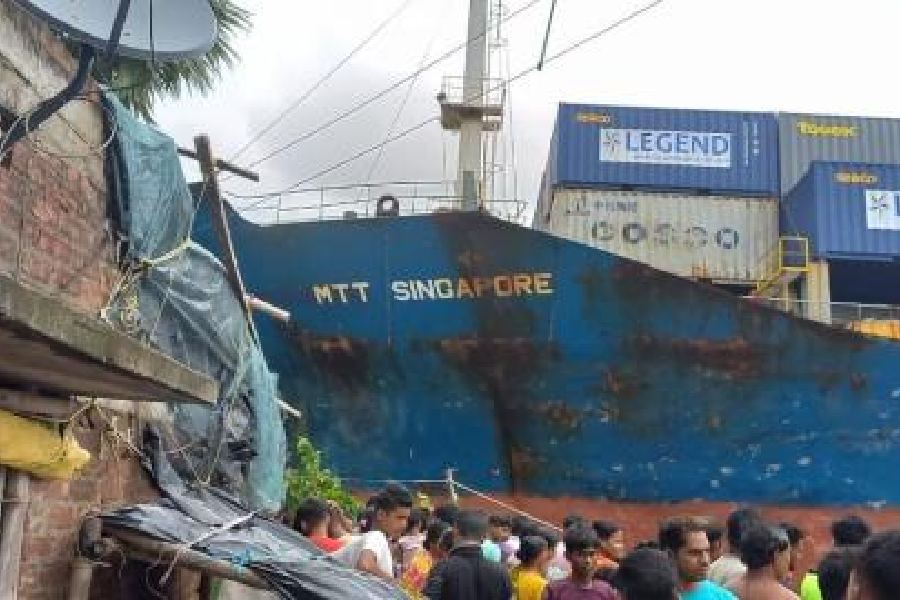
(713, 151)
(805, 138)
(849, 210)
(720, 238)
(542, 206)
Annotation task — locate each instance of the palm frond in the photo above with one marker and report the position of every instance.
(140, 84)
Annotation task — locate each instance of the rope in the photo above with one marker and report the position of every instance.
(461, 486)
(111, 428)
(3, 149)
(92, 151)
(209, 534)
(505, 506)
(171, 254)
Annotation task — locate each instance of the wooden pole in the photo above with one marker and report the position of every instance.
(451, 487)
(2, 486)
(223, 165)
(15, 509)
(187, 585)
(154, 551)
(80, 580)
(220, 222)
(88, 545)
(2, 503)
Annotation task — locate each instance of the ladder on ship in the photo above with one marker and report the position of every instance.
(782, 265)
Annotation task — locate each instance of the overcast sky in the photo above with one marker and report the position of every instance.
(828, 56)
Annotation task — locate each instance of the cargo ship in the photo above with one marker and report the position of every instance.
(665, 331)
(536, 365)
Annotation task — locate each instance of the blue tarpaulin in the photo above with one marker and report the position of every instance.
(176, 296)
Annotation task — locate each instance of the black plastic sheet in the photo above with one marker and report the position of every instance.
(288, 562)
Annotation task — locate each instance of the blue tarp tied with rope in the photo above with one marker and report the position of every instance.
(175, 295)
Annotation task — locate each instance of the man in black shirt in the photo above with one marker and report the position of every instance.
(466, 574)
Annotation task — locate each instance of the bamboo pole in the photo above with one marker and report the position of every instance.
(2, 486)
(80, 580)
(13, 528)
(150, 550)
(2, 498)
(88, 545)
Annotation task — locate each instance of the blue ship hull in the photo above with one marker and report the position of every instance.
(539, 366)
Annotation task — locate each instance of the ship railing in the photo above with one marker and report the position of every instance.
(882, 320)
(363, 200)
(462, 99)
(486, 93)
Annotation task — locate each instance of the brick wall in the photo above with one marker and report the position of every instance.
(53, 232)
(56, 508)
(55, 237)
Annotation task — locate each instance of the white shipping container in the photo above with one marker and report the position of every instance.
(724, 239)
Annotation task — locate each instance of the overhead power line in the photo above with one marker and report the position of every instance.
(305, 96)
(540, 64)
(377, 96)
(568, 49)
(409, 90)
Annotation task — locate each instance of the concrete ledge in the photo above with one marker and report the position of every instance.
(48, 348)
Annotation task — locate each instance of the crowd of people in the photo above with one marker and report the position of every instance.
(450, 553)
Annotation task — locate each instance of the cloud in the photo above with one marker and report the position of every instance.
(763, 55)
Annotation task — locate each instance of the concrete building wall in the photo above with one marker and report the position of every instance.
(55, 237)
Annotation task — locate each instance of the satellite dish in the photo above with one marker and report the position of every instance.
(162, 30)
(180, 28)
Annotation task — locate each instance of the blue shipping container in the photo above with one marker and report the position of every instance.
(848, 210)
(673, 149)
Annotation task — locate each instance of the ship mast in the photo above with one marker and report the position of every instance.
(472, 105)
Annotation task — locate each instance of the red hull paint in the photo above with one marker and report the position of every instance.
(640, 520)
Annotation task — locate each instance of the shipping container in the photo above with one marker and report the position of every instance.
(713, 152)
(848, 210)
(724, 239)
(865, 281)
(806, 138)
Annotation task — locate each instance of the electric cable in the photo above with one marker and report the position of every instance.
(378, 95)
(322, 80)
(409, 90)
(568, 49)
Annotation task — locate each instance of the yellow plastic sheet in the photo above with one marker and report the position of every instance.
(39, 448)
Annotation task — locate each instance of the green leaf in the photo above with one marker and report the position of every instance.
(310, 479)
(140, 84)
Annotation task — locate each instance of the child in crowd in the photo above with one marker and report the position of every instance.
(581, 550)
(528, 579)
